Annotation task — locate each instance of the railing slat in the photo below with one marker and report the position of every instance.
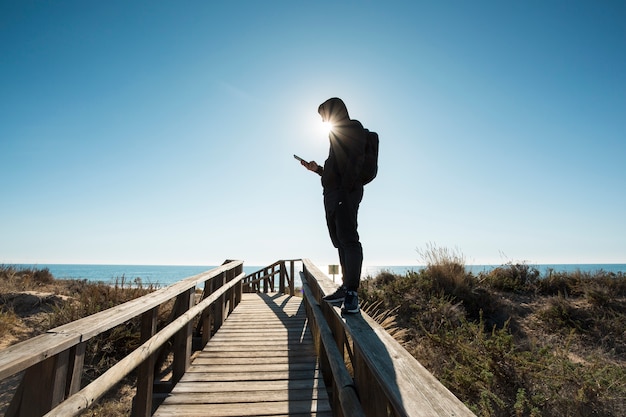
(182, 339)
(23, 355)
(105, 320)
(88, 395)
(35, 401)
(142, 406)
(77, 360)
(343, 384)
(380, 361)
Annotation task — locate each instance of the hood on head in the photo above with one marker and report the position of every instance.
(333, 110)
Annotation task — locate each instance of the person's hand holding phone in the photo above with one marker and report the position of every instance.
(311, 166)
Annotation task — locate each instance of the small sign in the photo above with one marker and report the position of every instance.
(333, 270)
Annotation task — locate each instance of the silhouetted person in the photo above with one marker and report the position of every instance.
(343, 191)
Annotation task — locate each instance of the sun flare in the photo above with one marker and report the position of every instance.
(326, 127)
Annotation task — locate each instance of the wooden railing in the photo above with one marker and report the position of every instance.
(53, 362)
(264, 280)
(384, 379)
(366, 371)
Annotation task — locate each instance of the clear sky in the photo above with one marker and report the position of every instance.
(162, 132)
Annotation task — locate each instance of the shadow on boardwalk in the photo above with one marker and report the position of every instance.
(306, 391)
(261, 362)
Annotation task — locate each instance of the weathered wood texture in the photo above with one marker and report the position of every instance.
(344, 398)
(261, 362)
(264, 280)
(389, 381)
(266, 358)
(20, 356)
(53, 362)
(87, 396)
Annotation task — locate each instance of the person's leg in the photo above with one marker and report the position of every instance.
(342, 263)
(331, 200)
(348, 239)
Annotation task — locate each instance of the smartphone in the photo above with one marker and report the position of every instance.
(299, 159)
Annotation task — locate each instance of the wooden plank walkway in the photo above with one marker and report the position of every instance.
(261, 362)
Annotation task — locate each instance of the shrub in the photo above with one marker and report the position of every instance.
(560, 313)
(556, 283)
(518, 277)
(614, 284)
(446, 269)
(91, 298)
(565, 357)
(42, 276)
(8, 321)
(599, 287)
(599, 296)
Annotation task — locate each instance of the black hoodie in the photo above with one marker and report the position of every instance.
(342, 169)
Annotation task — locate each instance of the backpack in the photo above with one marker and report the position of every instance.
(370, 164)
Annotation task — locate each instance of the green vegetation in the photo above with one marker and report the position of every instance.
(511, 342)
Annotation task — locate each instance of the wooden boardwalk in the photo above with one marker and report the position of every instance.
(261, 362)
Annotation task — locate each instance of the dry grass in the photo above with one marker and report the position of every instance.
(8, 322)
(512, 342)
(446, 268)
(32, 302)
(509, 342)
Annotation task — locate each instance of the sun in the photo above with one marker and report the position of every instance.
(326, 127)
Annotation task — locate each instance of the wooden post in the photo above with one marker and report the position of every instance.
(372, 398)
(219, 304)
(182, 339)
(142, 406)
(75, 368)
(42, 387)
(292, 288)
(231, 293)
(238, 292)
(239, 287)
(340, 340)
(205, 318)
(281, 278)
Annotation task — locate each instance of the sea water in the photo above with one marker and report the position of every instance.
(164, 275)
(157, 275)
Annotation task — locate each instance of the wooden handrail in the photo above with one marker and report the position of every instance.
(264, 280)
(53, 361)
(388, 379)
(75, 404)
(18, 357)
(345, 396)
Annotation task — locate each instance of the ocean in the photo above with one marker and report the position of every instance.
(164, 275)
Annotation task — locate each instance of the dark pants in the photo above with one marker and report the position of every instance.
(341, 218)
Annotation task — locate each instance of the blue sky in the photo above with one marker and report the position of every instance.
(163, 132)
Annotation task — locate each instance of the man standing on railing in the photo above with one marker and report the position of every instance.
(343, 191)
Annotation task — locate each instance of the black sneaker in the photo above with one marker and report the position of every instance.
(351, 303)
(337, 297)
